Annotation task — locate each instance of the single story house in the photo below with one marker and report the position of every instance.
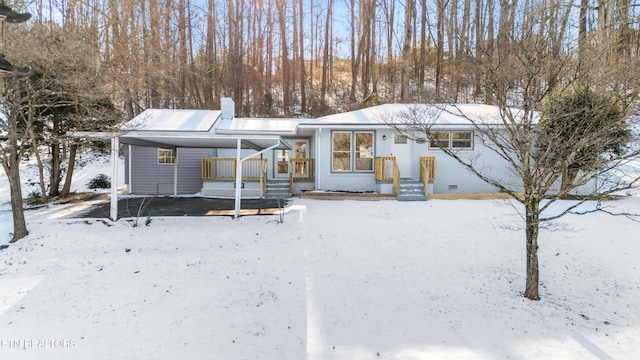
(176, 152)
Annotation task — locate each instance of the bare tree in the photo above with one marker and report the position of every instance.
(11, 151)
(513, 133)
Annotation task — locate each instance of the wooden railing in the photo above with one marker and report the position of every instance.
(387, 169)
(384, 169)
(264, 178)
(300, 170)
(396, 177)
(429, 163)
(225, 169)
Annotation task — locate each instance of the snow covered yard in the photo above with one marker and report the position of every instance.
(440, 279)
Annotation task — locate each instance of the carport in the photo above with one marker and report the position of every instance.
(175, 129)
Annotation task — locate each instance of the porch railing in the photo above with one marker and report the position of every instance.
(387, 169)
(300, 170)
(430, 167)
(225, 169)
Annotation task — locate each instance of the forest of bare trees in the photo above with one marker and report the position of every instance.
(290, 57)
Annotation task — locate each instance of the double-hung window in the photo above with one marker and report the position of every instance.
(439, 139)
(460, 140)
(166, 156)
(352, 151)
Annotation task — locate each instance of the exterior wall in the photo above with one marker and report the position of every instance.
(150, 178)
(451, 177)
(327, 180)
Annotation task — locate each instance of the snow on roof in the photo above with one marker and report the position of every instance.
(252, 125)
(173, 120)
(439, 114)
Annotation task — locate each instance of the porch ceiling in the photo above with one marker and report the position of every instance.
(202, 140)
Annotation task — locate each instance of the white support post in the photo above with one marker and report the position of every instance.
(238, 179)
(261, 177)
(129, 188)
(115, 143)
(175, 175)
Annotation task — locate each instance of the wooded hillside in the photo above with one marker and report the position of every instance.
(288, 57)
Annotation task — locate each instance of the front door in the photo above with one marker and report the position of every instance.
(403, 153)
(282, 164)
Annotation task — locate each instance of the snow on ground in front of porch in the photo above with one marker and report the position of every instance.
(441, 279)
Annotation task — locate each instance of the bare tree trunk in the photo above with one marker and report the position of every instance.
(54, 174)
(532, 216)
(34, 144)
(210, 55)
(284, 68)
(406, 50)
(325, 59)
(303, 76)
(11, 164)
(441, 4)
(423, 47)
(66, 188)
(389, 10)
(354, 56)
(478, 46)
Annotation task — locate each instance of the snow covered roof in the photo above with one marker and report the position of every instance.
(190, 128)
(173, 120)
(210, 122)
(438, 114)
(258, 125)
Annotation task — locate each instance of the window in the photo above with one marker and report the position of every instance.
(400, 139)
(166, 156)
(364, 151)
(341, 151)
(461, 139)
(451, 139)
(439, 139)
(352, 151)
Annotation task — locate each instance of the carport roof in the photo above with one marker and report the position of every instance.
(172, 128)
(172, 139)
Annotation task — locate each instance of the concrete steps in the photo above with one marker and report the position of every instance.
(277, 189)
(411, 190)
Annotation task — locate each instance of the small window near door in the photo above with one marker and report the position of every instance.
(400, 139)
(166, 156)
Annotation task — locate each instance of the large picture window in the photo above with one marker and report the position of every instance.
(451, 139)
(352, 151)
(166, 156)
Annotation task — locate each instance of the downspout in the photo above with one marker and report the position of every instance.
(175, 175)
(239, 172)
(317, 162)
(261, 172)
(238, 179)
(130, 188)
(115, 143)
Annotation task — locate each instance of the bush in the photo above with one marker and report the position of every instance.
(101, 181)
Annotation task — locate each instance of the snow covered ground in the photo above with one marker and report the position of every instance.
(441, 279)
(88, 166)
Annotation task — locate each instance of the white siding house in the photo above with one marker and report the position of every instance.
(356, 151)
